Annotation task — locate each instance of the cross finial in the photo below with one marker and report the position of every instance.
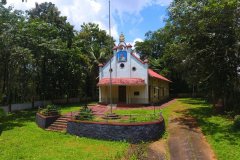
(121, 38)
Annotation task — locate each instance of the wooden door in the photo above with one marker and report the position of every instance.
(122, 94)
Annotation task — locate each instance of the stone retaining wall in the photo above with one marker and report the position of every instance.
(131, 132)
(45, 121)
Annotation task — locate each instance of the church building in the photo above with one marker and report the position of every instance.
(133, 82)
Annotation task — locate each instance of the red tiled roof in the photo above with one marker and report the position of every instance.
(129, 45)
(156, 75)
(122, 81)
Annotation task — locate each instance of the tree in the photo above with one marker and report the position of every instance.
(15, 60)
(37, 58)
(94, 44)
(199, 45)
(50, 14)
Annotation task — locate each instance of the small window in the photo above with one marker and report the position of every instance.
(134, 68)
(121, 65)
(136, 93)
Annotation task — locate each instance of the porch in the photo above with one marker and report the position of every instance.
(124, 94)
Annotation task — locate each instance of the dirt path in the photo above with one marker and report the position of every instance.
(185, 140)
(157, 150)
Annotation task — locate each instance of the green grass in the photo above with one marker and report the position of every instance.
(70, 108)
(166, 112)
(218, 129)
(73, 107)
(138, 115)
(20, 138)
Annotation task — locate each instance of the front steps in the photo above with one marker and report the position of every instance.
(60, 124)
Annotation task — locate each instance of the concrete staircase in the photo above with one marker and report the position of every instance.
(60, 124)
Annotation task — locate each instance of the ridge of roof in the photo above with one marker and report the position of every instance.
(137, 58)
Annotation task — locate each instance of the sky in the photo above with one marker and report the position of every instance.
(133, 18)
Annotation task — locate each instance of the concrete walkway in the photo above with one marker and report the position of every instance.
(99, 109)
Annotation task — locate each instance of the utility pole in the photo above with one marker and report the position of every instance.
(110, 48)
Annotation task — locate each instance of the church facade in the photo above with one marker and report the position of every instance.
(133, 82)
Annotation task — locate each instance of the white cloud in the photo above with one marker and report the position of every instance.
(96, 11)
(136, 40)
(163, 2)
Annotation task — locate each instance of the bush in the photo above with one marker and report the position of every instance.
(50, 110)
(236, 123)
(2, 113)
(85, 114)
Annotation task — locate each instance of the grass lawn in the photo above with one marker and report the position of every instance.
(73, 107)
(138, 115)
(70, 108)
(142, 112)
(218, 129)
(20, 138)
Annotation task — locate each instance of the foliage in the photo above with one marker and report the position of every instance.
(236, 123)
(199, 46)
(94, 43)
(85, 113)
(42, 57)
(2, 113)
(50, 110)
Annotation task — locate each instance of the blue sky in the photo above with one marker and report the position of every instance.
(151, 19)
(131, 17)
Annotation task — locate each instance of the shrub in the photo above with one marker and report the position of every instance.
(236, 123)
(50, 110)
(85, 114)
(230, 114)
(2, 113)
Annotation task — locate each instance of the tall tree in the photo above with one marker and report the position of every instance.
(94, 44)
(49, 13)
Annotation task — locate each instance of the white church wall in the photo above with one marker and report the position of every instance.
(137, 95)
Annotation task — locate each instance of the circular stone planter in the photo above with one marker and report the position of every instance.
(131, 132)
(45, 121)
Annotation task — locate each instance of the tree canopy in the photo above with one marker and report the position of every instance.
(200, 46)
(43, 57)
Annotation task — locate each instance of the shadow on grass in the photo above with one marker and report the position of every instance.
(17, 119)
(217, 126)
(194, 101)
